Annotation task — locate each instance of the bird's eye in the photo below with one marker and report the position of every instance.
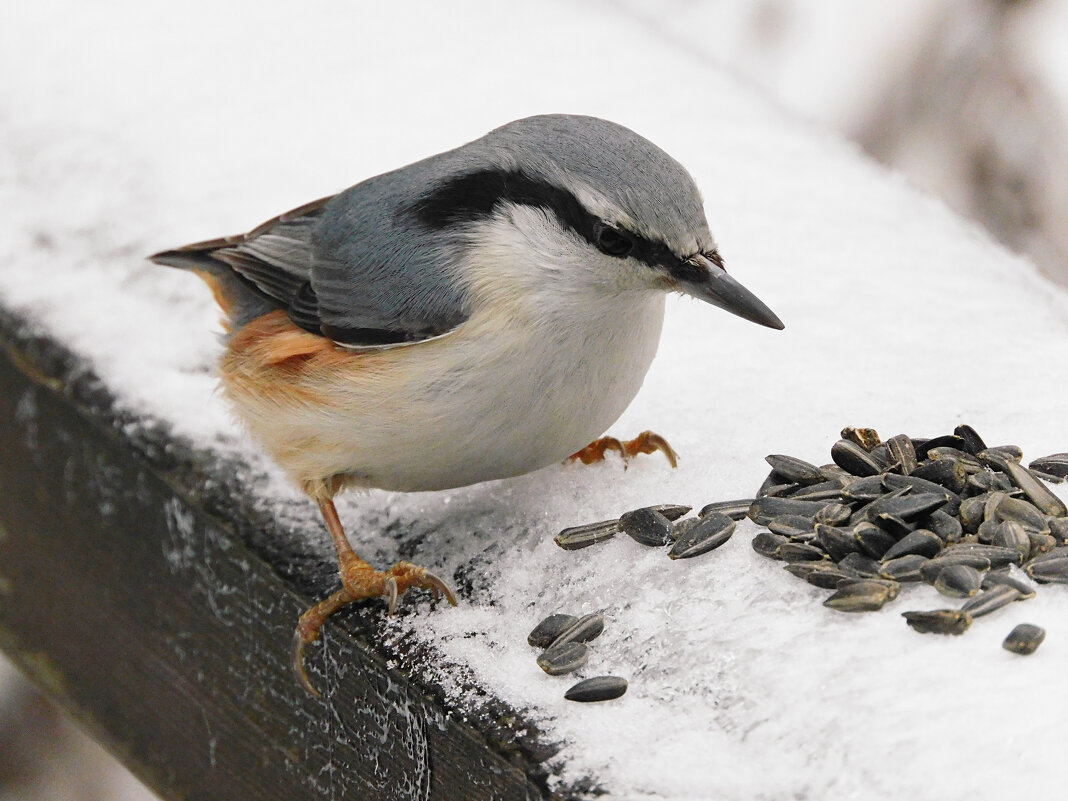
(613, 241)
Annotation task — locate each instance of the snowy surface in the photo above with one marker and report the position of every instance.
(128, 127)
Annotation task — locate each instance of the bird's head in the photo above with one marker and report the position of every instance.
(572, 205)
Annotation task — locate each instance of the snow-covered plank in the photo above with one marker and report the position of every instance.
(898, 315)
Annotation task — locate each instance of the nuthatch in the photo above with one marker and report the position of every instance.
(476, 315)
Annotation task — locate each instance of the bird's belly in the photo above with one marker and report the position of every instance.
(497, 403)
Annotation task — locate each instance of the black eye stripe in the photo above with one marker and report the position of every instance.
(475, 195)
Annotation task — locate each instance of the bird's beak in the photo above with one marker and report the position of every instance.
(706, 279)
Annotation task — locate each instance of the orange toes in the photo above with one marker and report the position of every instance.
(645, 442)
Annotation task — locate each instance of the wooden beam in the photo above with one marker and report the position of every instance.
(142, 593)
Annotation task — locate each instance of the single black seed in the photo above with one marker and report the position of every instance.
(1024, 639)
(794, 526)
(859, 565)
(672, 511)
(950, 440)
(1010, 577)
(859, 596)
(545, 633)
(948, 473)
(557, 660)
(767, 544)
(646, 526)
(854, 459)
(1055, 464)
(799, 552)
(837, 542)
(902, 454)
(872, 540)
(864, 489)
(598, 688)
(735, 510)
(763, 510)
(930, 570)
(921, 542)
(990, 600)
(973, 443)
(713, 530)
(586, 628)
(796, 470)
(571, 539)
(946, 526)
(904, 568)
(939, 621)
(958, 581)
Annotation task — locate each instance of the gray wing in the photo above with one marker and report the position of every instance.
(353, 267)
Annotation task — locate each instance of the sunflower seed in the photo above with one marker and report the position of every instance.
(921, 541)
(902, 453)
(969, 463)
(1024, 639)
(948, 473)
(557, 660)
(837, 542)
(950, 441)
(999, 557)
(767, 544)
(713, 530)
(571, 539)
(1037, 492)
(796, 470)
(973, 443)
(735, 510)
(819, 574)
(892, 587)
(859, 596)
(833, 514)
(646, 526)
(764, 510)
(852, 458)
(824, 491)
(1052, 571)
(586, 628)
(990, 600)
(958, 581)
(672, 511)
(939, 621)
(1011, 452)
(929, 572)
(908, 507)
(1022, 512)
(859, 565)
(864, 489)
(872, 540)
(1055, 465)
(1012, 535)
(946, 526)
(1049, 478)
(598, 688)
(545, 633)
(799, 552)
(1058, 528)
(904, 568)
(1010, 577)
(794, 526)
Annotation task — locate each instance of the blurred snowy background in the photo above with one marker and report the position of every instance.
(968, 98)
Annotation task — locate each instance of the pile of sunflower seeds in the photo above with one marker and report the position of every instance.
(950, 511)
(563, 638)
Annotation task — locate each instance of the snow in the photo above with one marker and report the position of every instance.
(128, 127)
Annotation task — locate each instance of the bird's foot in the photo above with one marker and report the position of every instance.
(359, 581)
(645, 442)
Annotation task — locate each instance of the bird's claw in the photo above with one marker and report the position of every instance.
(645, 442)
(358, 584)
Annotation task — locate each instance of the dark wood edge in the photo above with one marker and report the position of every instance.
(151, 597)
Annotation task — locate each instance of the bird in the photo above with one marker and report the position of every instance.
(475, 315)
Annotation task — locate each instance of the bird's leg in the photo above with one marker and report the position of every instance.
(645, 442)
(358, 581)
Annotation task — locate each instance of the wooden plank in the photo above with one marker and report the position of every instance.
(141, 595)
